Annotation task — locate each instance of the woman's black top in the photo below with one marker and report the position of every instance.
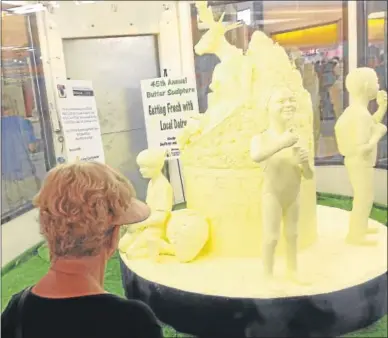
(97, 316)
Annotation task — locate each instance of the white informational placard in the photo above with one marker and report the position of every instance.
(79, 120)
(168, 104)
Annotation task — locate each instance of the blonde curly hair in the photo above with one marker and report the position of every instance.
(78, 205)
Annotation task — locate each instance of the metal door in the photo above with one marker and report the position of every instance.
(116, 66)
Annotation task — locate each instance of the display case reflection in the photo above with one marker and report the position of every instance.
(23, 159)
(318, 44)
(377, 59)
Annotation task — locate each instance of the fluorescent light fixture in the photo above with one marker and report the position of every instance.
(16, 48)
(304, 11)
(377, 15)
(15, 3)
(27, 9)
(274, 21)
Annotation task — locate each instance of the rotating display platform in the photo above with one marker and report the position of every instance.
(227, 297)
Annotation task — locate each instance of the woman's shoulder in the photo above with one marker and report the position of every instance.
(119, 307)
(15, 299)
(108, 310)
(10, 314)
(133, 304)
(114, 303)
(141, 315)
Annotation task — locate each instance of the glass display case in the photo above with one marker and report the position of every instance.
(318, 42)
(376, 58)
(26, 144)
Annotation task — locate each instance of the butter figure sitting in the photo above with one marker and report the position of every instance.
(146, 238)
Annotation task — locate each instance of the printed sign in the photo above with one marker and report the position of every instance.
(79, 119)
(168, 104)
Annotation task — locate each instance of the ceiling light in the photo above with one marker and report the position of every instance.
(377, 15)
(274, 21)
(15, 3)
(27, 9)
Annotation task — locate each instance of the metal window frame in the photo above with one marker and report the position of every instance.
(362, 34)
(348, 42)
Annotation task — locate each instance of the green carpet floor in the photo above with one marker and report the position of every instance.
(31, 270)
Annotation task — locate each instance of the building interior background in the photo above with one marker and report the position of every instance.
(315, 34)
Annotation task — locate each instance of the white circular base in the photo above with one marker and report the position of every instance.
(330, 265)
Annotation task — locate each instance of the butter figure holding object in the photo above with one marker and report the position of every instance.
(358, 133)
(283, 167)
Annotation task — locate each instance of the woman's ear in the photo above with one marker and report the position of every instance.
(114, 241)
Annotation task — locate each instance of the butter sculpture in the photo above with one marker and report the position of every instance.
(248, 167)
(284, 163)
(311, 84)
(188, 232)
(230, 86)
(181, 233)
(222, 181)
(358, 133)
(147, 238)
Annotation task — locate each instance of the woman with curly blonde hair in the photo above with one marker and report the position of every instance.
(81, 208)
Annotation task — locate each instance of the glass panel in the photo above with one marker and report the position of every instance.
(312, 32)
(24, 157)
(377, 59)
(118, 95)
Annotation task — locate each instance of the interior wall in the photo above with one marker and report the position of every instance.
(116, 85)
(109, 19)
(334, 180)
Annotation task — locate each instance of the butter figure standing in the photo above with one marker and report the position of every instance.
(358, 133)
(284, 161)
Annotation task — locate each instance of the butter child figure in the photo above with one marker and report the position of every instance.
(358, 133)
(147, 238)
(284, 162)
